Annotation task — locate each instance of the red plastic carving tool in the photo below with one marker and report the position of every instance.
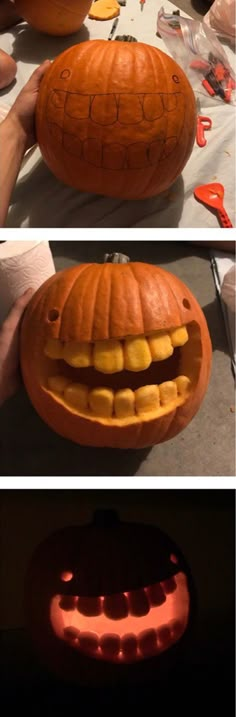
(203, 124)
(212, 195)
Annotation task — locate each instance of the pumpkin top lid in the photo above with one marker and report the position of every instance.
(95, 302)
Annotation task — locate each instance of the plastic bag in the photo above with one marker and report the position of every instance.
(198, 51)
(222, 18)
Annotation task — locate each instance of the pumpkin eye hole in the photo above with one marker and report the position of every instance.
(175, 78)
(173, 558)
(186, 304)
(53, 315)
(66, 576)
(65, 74)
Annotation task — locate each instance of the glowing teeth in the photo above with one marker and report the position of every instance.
(138, 603)
(110, 645)
(108, 356)
(160, 346)
(163, 635)
(169, 586)
(116, 606)
(156, 595)
(147, 641)
(129, 645)
(88, 641)
(68, 602)
(78, 354)
(72, 634)
(124, 627)
(89, 605)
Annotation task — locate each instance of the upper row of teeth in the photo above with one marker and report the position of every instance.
(137, 602)
(124, 107)
(132, 354)
(123, 403)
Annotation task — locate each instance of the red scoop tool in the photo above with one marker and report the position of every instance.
(212, 195)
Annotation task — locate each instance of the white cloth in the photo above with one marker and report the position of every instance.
(39, 200)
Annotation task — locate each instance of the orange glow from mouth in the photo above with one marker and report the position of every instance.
(133, 637)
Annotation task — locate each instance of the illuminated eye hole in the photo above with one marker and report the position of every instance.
(186, 304)
(53, 315)
(66, 576)
(175, 78)
(174, 559)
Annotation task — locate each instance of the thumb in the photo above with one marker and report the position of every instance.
(17, 310)
(38, 74)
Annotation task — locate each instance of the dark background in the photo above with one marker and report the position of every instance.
(202, 524)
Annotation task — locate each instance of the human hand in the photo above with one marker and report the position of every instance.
(9, 347)
(22, 113)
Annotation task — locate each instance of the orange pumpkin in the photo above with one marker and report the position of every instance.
(8, 69)
(109, 601)
(115, 354)
(116, 118)
(55, 17)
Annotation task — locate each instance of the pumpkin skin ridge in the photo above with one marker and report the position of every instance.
(144, 178)
(144, 432)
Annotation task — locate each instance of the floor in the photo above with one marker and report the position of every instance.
(204, 448)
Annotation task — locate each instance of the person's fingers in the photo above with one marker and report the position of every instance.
(37, 75)
(15, 314)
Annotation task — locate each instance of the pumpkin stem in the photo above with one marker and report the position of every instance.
(126, 38)
(116, 258)
(105, 518)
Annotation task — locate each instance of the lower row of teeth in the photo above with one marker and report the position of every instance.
(129, 645)
(123, 403)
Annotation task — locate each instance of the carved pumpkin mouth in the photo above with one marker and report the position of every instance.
(127, 626)
(74, 119)
(125, 380)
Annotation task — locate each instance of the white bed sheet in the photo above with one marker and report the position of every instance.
(39, 200)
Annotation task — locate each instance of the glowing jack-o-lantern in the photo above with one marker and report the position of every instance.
(115, 354)
(116, 118)
(106, 595)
